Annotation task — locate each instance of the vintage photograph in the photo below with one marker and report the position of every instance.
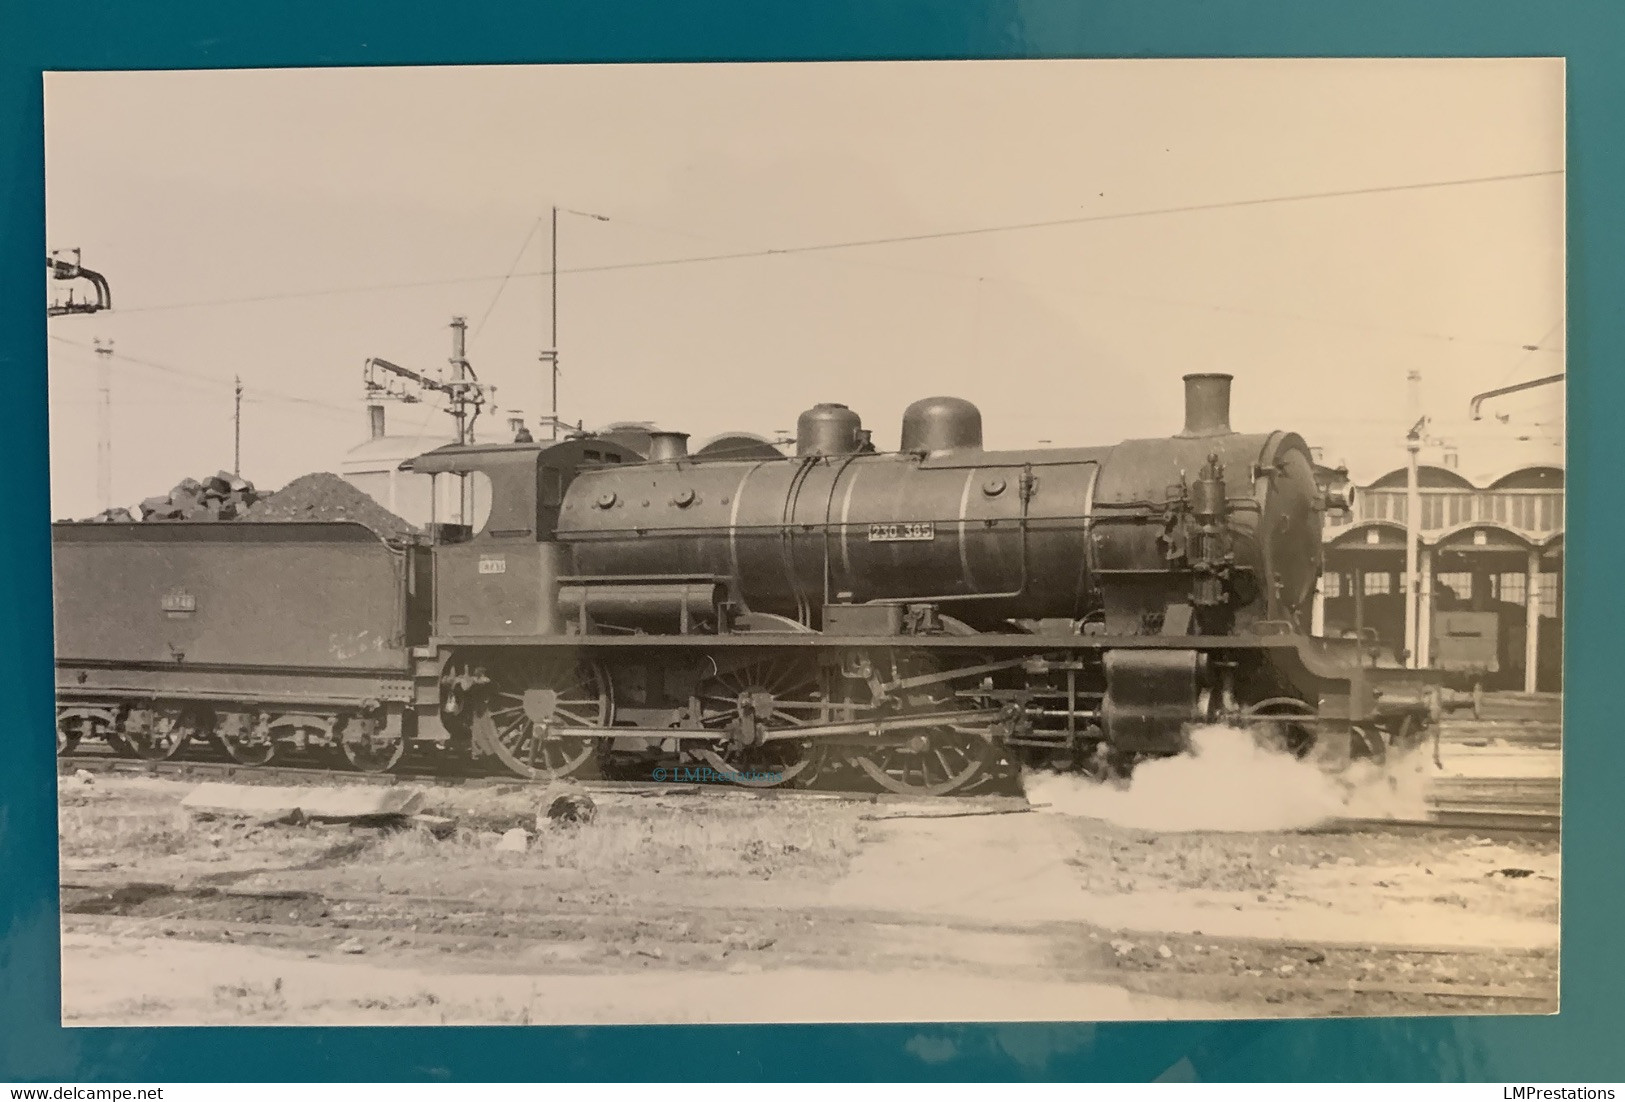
(868, 542)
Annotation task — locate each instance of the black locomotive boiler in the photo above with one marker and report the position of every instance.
(914, 617)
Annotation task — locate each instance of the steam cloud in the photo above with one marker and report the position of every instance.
(1226, 782)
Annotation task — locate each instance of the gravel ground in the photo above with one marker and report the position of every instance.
(684, 908)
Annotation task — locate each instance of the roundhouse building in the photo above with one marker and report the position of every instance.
(1490, 565)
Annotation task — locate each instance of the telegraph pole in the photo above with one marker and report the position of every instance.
(104, 423)
(550, 354)
(459, 371)
(237, 427)
(459, 412)
(553, 340)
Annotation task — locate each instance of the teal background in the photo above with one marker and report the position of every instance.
(1583, 1043)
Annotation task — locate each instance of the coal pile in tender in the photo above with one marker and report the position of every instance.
(326, 496)
(219, 496)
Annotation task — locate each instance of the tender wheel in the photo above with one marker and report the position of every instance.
(371, 743)
(932, 762)
(72, 728)
(777, 691)
(245, 739)
(158, 734)
(527, 699)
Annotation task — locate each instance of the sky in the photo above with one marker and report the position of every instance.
(1056, 241)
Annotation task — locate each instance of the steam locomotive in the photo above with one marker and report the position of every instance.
(917, 617)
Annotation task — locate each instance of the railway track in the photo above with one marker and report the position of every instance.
(1486, 822)
(1503, 807)
(318, 776)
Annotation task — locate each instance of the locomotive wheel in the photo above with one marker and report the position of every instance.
(527, 697)
(158, 734)
(1368, 743)
(932, 762)
(369, 746)
(1273, 729)
(244, 740)
(929, 760)
(790, 687)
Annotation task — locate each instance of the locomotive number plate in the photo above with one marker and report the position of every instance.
(178, 603)
(909, 532)
(493, 566)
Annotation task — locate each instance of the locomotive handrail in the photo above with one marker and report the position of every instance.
(634, 579)
(604, 534)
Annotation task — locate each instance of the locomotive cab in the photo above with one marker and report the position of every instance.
(502, 579)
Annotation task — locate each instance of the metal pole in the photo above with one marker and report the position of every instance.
(104, 423)
(459, 364)
(1413, 514)
(553, 343)
(1359, 610)
(237, 429)
(1531, 622)
(1413, 510)
(1424, 618)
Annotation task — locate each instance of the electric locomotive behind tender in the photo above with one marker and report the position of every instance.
(911, 615)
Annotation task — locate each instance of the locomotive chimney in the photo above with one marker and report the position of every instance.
(667, 446)
(375, 421)
(1207, 405)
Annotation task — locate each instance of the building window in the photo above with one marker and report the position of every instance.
(1549, 508)
(1433, 512)
(1456, 585)
(1460, 508)
(1523, 512)
(1546, 592)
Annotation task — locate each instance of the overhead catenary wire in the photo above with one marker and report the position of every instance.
(520, 255)
(894, 239)
(1530, 350)
(251, 393)
(979, 281)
